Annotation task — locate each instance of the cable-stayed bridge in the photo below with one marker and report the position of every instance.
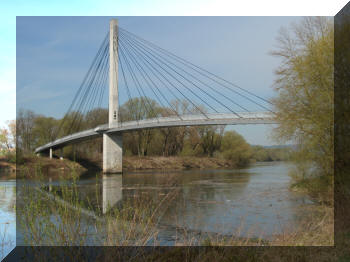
(149, 87)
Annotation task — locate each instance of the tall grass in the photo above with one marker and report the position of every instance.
(60, 218)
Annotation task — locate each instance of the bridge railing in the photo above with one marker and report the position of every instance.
(244, 115)
(147, 123)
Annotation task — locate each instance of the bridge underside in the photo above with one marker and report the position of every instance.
(112, 136)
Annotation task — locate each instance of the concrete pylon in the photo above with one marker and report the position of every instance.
(113, 143)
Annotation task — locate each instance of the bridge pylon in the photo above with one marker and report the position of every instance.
(113, 143)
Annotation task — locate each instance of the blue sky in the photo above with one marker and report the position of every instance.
(12, 8)
(54, 53)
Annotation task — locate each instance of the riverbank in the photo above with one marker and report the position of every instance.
(33, 165)
(7, 169)
(174, 163)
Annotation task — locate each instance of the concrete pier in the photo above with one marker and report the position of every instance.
(113, 143)
(112, 153)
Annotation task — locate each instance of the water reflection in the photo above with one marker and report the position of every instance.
(111, 191)
(100, 193)
(7, 217)
(252, 202)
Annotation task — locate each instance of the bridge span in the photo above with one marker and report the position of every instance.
(152, 77)
(161, 122)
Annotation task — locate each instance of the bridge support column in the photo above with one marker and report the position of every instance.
(50, 153)
(113, 143)
(112, 153)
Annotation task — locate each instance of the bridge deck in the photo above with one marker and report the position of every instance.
(186, 120)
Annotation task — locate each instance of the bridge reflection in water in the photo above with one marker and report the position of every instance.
(112, 192)
(217, 201)
(95, 198)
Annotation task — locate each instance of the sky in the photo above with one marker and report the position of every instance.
(54, 53)
(234, 65)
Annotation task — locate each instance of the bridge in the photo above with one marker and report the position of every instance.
(155, 72)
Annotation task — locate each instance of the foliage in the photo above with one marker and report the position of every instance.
(4, 143)
(8, 141)
(261, 153)
(200, 141)
(304, 105)
(235, 148)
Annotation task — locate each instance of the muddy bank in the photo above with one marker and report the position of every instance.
(7, 169)
(32, 166)
(174, 163)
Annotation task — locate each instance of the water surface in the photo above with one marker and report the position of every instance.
(7, 217)
(249, 202)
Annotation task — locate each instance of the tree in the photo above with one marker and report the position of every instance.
(96, 117)
(210, 139)
(25, 140)
(235, 148)
(8, 136)
(4, 139)
(12, 128)
(136, 109)
(304, 84)
(44, 130)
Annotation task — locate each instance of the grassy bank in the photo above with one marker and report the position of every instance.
(30, 166)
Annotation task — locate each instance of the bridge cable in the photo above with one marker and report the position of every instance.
(100, 84)
(80, 110)
(86, 100)
(81, 87)
(152, 69)
(183, 85)
(127, 86)
(144, 95)
(97, 89)
(141, 72)
(201, 83)
(105, 77)
(145, 77)
(89, 97)
(230, 89)
(138, 86)
(86, 95)
(168, 53)
(197, 79)
(180, 82)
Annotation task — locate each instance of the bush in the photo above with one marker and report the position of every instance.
(236, 149)
(11, 157)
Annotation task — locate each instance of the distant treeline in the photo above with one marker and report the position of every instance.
(261, 153)
(212, 141)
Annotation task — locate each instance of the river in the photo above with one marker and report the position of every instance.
(253, 202)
